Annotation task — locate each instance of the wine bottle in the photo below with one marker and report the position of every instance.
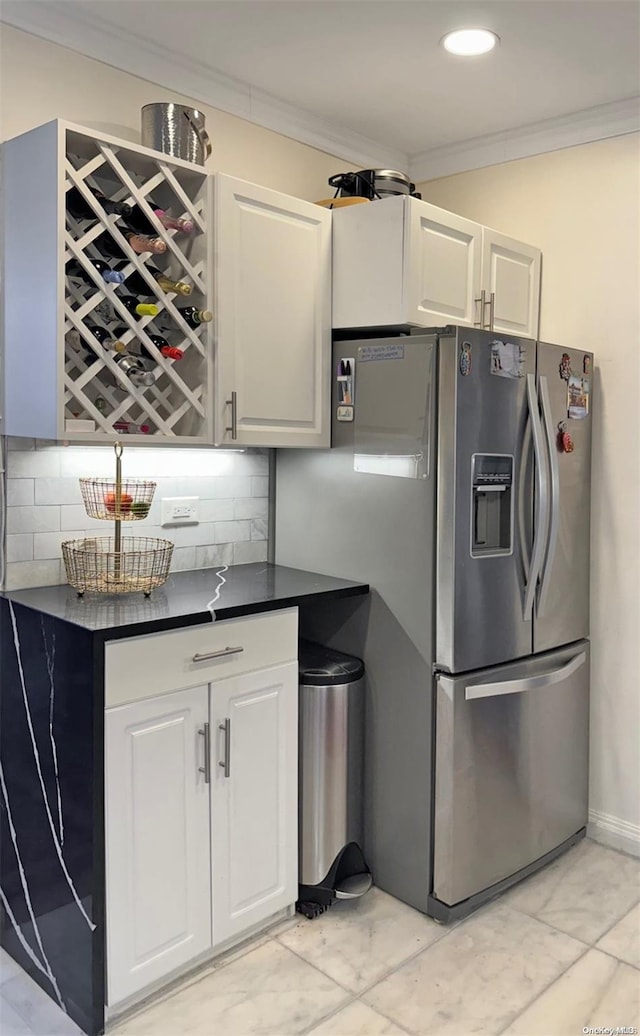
(171, 352)
(137, 283)
(107, 246)
(106, 339)
(194, 317)
(141, 223)
(138, 309)
(77, 271)
(130, 428)
(134, 369)
(79, 207)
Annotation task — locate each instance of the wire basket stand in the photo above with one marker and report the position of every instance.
(117, 564)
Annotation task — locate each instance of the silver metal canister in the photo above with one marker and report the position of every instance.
(176, 130)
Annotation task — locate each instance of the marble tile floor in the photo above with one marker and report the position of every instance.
(558, 953)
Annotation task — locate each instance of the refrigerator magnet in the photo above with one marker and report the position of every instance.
(564, 440)
(577, 398)
(465, 359)
(565, 367)
(586, 365)
(344, 413)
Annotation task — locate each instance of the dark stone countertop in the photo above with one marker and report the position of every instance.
(185, 597)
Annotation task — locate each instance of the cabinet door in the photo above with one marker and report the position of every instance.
(273, 313)
(511, 271)
(442, 266)
(254, 789)
(157, 839)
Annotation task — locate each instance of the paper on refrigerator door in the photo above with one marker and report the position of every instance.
(507, 359)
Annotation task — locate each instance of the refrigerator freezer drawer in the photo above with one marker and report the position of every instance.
(511, 768)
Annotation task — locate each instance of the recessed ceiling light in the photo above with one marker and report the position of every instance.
(469, 42)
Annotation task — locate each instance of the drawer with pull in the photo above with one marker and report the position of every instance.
(143, 667)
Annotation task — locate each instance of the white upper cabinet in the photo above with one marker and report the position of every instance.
(511, 280)
(273, 317)
(157, 838)
(442, 266)
(404, 261)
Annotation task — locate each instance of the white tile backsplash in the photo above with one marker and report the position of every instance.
(22, 574)
(33, 463)
(48, 545)
(74, 516)
(58, 491)
(33, 519)
(20, 491)
(232, 532)
(20, 547)
(244, 553)
(258, 529)
(211, 556)
(251, 507)
(231, 487)
(215, 510)
(44, 505)
(259, 486)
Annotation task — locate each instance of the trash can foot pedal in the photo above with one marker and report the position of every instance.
(311, 910)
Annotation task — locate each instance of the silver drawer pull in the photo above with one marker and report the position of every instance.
(218, 654)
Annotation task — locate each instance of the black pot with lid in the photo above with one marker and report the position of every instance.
(372, 184)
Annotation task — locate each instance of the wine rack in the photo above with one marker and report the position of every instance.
(61, 380)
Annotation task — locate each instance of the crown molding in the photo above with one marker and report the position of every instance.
(582, 127)
(94, 38)
(91, 36)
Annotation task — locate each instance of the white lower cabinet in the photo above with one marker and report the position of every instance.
(157, 839)
(254, 823)
(201, 793)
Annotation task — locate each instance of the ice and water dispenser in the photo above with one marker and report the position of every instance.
(491, 504)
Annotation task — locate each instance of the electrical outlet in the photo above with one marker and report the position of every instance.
(179, 510)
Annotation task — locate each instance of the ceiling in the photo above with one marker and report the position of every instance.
(371, 72)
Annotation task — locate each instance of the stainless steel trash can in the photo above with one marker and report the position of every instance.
(331, 757)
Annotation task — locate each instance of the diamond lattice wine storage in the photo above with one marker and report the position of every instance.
(93, 339)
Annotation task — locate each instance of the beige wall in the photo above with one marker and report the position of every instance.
(40, 81)
(581, 207)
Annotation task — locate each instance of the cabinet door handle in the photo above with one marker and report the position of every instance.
(217, 654)
(233, 403)
(205, 731)
(492, 308)
(489, 303)
(481, 303)
(226, 762)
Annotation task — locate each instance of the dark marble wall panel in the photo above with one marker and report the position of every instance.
(51, 819)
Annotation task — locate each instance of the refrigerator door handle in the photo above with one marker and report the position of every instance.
(522, 499)
(555, 497)
(542, 498)
(528, 683)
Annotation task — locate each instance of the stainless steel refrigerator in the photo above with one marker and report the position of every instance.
(458, 487)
